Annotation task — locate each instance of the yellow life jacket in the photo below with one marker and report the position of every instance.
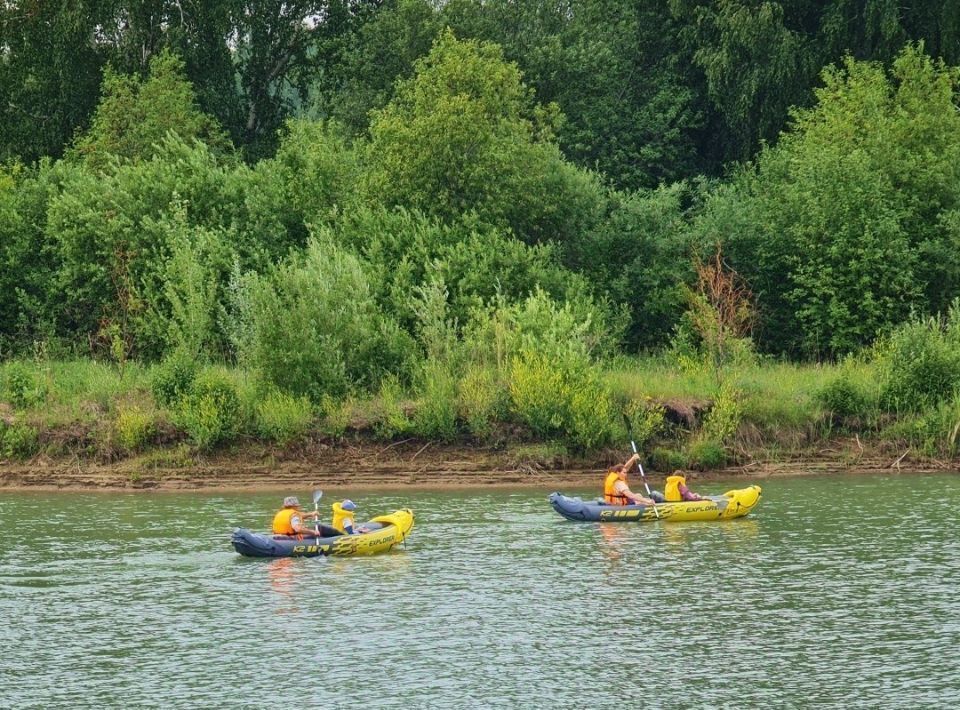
(339, 515)
(610, 495)
(671, 488)
(282, 524)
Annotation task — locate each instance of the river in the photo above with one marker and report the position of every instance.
(836, 591)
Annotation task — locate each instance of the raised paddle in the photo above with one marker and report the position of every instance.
(643, 477)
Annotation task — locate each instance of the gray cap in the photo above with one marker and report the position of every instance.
(291, 502)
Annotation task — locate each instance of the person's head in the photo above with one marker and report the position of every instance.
(291, 502)
(348, 505)
(620, 472)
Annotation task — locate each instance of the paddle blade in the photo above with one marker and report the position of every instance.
(317, 495)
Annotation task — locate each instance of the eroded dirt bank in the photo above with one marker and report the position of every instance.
(401, 464)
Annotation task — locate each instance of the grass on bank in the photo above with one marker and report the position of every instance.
(98, 409)
(688, 416)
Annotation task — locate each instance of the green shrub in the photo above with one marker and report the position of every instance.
(723, 419)
(23, 387)
(336, 415)
(918, 367)
(934, 433)
(705, 454)
(843, 398)
(436, 413)
(390, 417)
(312, 326)
(539, 393)
(663, 459)
(645, 420)
(480, 400)
(133, 428)
(210, 411)
(283, 418)
(593, 416)
(173, 378)
(19, 441)
(562, 397)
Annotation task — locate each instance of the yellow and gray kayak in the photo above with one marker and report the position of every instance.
(732, 504)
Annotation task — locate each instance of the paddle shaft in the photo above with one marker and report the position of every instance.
(317, 495)
(643, 477)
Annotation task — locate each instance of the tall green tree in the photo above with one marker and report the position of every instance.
(134, 116)
(50, 69)
(631, 106)
(850, 221)
(464, 135)
(362, 76)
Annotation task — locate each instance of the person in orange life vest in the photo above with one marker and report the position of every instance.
(615, 488)
(291, 520)
(675, 489)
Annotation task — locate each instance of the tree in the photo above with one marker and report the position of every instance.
(49, 75)
(134, 116)
(361, 78)
(835, 227)
(464, 135)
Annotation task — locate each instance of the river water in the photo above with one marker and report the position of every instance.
(836, 591)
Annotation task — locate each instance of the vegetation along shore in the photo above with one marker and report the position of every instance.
(476, 242)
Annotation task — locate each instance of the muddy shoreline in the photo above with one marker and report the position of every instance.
(404, 464)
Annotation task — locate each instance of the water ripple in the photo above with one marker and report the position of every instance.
(837, 591)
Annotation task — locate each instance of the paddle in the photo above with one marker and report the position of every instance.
(317, 495)
(643, 476)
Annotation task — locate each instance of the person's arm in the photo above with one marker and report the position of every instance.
(296, 522)
(687, 494)
(629, 464)
(634, 498)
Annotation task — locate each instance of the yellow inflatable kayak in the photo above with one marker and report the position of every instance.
(732, 504)
(377, 535)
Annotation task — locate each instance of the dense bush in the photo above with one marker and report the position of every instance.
(18, 440)
(436, 413)
(844, 399)
(918, 367)
(282, 418)
(173, 378)
(210, 410)
(22, 386)
(133, 427)
(482, 400)
(311, 325)
(556, 398)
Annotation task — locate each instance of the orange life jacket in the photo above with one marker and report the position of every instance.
(282, 524)
(671, 488)
(610, 495)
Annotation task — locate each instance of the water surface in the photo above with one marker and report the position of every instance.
(837, 591)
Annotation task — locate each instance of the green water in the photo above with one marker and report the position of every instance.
(839, 591)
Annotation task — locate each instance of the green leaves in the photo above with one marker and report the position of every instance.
(134, 116)
(463, 136)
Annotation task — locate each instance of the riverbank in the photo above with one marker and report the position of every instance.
(360, 464)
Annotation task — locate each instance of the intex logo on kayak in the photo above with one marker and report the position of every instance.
(308, 549)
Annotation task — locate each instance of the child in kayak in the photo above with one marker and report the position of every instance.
(675, 489)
